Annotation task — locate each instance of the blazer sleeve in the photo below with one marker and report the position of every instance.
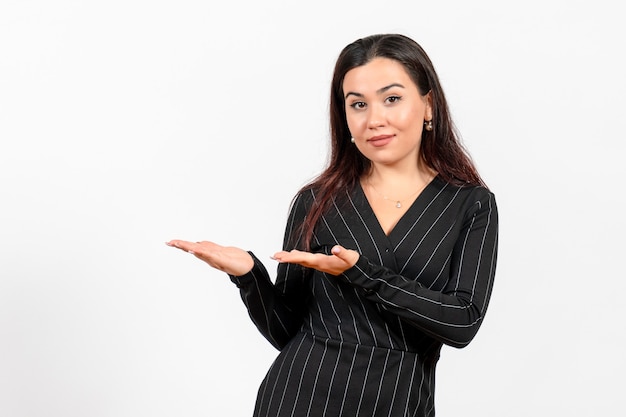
(453, 314)
(277, 309)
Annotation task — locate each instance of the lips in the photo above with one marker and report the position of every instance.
(380, 140)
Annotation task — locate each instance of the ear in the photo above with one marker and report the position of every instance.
(428, 100)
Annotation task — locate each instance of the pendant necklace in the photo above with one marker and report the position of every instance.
(398, 203)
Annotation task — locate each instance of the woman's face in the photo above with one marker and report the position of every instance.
(385, 111)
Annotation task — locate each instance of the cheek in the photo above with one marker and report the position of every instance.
(356, 123)
(412, 119)
(406, 120)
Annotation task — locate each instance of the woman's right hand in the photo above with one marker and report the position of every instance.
(233, 261)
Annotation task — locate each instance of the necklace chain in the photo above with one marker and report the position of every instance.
(397, 202)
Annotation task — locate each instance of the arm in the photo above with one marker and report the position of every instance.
(454, 314)
(277, 309)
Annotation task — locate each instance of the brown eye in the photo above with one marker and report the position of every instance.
(358, 105)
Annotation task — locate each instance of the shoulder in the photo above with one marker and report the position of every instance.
(305, 197)
(302, 202)
(467, 198)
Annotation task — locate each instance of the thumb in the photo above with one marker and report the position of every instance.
(338, 251)
(344, 254)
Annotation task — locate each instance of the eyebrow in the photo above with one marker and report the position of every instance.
(379, 91)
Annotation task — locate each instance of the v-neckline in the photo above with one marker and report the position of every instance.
(409, 212)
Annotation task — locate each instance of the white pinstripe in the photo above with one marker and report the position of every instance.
(367, 372)
(288, 376)
(332, 379)
(395, 387)
(317, 375)
(380, 385)
(308, 356)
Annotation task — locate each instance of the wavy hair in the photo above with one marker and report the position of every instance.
(440, 149)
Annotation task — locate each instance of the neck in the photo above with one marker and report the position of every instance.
(397, 186)
(400, 176)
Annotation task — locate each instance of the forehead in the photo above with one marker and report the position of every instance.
(376, 74)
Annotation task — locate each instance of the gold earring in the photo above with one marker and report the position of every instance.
(428, 125)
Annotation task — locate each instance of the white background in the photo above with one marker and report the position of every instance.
(124, 124)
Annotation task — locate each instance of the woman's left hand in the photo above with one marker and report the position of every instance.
(340, 260)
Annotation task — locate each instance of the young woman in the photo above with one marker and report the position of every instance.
(389, 254)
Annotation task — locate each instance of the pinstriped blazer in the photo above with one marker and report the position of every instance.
(372, 335)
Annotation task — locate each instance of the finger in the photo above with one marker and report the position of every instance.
(303, 258)
(182, 245)
(291, 256)
(174, 243)
(339, 252)
(277, 256)
(348, 256)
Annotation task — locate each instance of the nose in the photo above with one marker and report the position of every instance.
(376, 117)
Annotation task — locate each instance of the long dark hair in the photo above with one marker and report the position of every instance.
(440, 149)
